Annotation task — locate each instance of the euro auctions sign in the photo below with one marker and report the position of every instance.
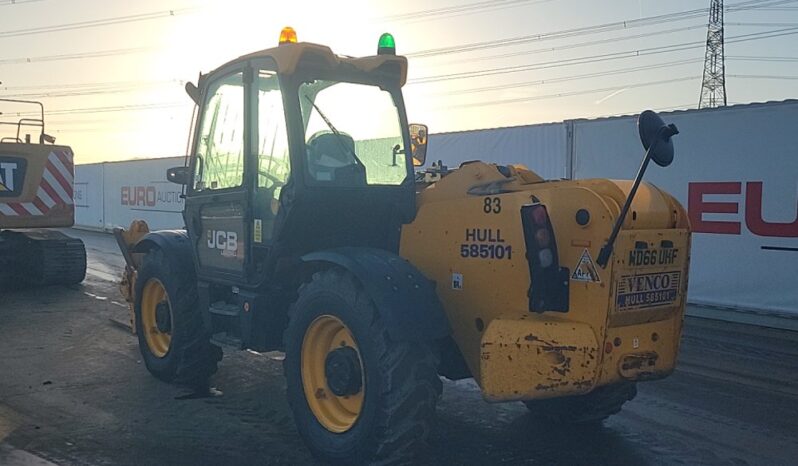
(746, 195)
(160, 196)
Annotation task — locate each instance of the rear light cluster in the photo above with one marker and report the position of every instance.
(548, 290)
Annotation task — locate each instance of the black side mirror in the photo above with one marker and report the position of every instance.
(656, 137)
(418, 143)
(179, 175)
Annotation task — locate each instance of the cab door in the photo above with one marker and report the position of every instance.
(269, 132)
(217, 200)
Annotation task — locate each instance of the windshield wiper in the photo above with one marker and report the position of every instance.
(338, 136)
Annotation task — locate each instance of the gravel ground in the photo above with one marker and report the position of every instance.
(73, 390)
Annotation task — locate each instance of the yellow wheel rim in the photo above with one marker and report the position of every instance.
(324, 335)
(153, 295)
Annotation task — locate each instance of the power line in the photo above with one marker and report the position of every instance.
(75, 56)
(762, 76)
(96, 23)
(100, 84)
(608, 41)
(755, 4)
(17, 2)
(594, 29)
(563, 34)
(573, 77)
(573, 93)
(764, 59)
(598, 58)
(106, 109)
(459, 10)
(88, 92)
(582, 44)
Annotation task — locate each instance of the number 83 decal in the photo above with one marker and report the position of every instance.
(492, 205)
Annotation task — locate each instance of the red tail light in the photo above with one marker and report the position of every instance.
(548, 290)
(539, 215)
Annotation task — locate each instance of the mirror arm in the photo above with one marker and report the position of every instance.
(606, 250)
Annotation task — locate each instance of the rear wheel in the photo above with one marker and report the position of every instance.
(357, 396)
(169, 326)
(592, 407)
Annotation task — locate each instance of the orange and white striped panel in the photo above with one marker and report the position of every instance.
(55, 188)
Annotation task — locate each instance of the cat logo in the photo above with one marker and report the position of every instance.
(585, 270)
(12, 175)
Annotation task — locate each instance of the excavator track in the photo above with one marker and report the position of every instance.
(41, 258)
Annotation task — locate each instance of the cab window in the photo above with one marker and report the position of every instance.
(353, 134)
(220, 150)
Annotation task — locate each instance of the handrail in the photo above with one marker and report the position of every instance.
(37, 122)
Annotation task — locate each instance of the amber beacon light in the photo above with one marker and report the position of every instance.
(287, 36)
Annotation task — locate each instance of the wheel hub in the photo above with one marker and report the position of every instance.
(342, 370)
(333, 375)
(163, 317)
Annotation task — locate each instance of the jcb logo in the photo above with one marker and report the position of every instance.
(12, 175)
(224, 240)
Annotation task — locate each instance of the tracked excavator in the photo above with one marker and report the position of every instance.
(36, 197)
(308, 231)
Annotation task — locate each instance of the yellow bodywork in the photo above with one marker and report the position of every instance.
(515, 354)
(127, 239)
(35, 156)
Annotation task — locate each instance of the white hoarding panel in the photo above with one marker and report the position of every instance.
(138, 189)
(542, 148)
(89, 196)
(736, 171)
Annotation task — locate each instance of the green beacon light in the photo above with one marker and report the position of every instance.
(386, 45)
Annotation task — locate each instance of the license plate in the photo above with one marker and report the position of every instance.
(647, 290)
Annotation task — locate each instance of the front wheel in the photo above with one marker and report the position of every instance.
(173, 344)
(357, 396)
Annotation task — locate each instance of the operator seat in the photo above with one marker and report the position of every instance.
(331, 160)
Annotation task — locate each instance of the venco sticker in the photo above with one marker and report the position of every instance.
(647, 290)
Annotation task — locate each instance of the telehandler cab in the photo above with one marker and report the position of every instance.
(308, 232)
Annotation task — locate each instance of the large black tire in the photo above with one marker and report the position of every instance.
(592, 407)
(400, 383)
(190, 358)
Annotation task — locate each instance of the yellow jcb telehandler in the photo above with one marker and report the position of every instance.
(309, 232)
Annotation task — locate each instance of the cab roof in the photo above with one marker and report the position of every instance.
(289, 55)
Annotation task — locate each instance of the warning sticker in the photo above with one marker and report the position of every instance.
(258, 231)
(585, 270)
(457, 281)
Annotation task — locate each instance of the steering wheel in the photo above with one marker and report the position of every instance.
(277, 182)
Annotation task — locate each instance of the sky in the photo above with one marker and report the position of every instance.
(111, 74)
